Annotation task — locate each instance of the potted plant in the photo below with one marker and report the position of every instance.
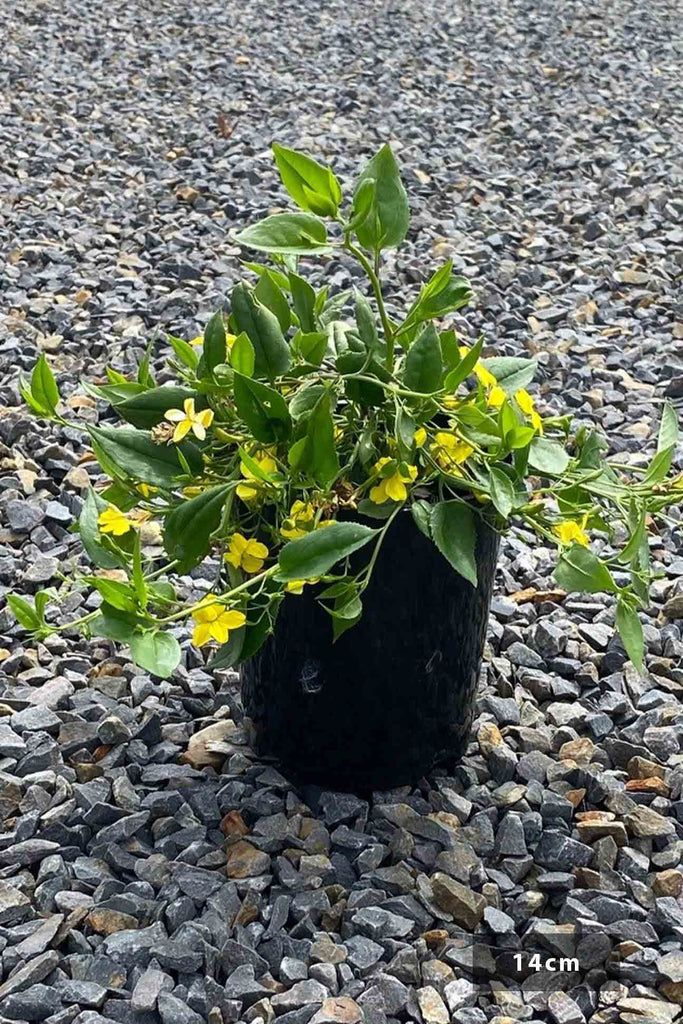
(350, 474)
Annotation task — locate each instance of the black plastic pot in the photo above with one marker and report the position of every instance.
(394, 696)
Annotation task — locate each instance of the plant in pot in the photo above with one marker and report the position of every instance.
(348, 474)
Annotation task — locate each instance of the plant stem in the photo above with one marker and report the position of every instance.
(377, 289)
(223, 599)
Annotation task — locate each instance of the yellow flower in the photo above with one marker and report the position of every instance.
(420, 437)
(114, 521)
(450, 452)
(229, 340)
(246, 554)
(496, 397)
(249, 490)
(299, 521)
(392, 488)
(145, 490)
(214, 622)
(192, 492)
(297, 586)
(571, 532)
(451, 402)
(484, 376)
(186, 420)
(526, 404)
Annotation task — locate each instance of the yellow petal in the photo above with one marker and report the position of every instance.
(174, 415)
(395, 488)
(233, 619)
(188, 406)
(496, 397)
(201, 634)
(246, 492)
(199, 340)
(420, 437)
(220, 631)
(198, 431)
(251, 564)
(378, 493)
(181, 430)
(205, 417)
(295, 586)
(256, 549)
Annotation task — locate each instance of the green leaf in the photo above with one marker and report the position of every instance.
(143, 376)
(23, 612)
(242, 355)
(422, 511)
(114, 592)
(311, 347)
(214, 350)
(263, 409)
(405, 431)
(548, 457)
(464, 368)
(385, 224)
(363, 203)
(303, 298)
(450, 349)
(269, 293)
(631, 633)
(311, 185)
(362, 391)
(115, 393)
(138, 577)
(272, 355)
(659, 466)
(318, 456)
(442, 294)
(304, 401)
(133, 453)
(366, 323)
(90, 533)
(147, 408)
(281, 279)
(158, 653)
(115, 624)
(454, 532)
(502, 491)
(229, 653)
(43, 385)
(41, 601)
(519, 437)
(345, 614)
(184, 351)
(27, 395)
(189, 526)
(313, 555)
(581, 571)
(299, 233)
(668, 428)
(510, 372)
(423, 366)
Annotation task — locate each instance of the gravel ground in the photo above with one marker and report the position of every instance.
(150, 875)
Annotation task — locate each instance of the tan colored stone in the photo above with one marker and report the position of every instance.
(465, 906)
(233, 824)
(435, 937)
(646, 823)
(210, 746)
(667, 883)
(106, 922)
(591, 831)
(489, 737)
(245, 861)
(575, 796)
(653, 785)
(432, 1006)
(338, 1010)
(580, 750)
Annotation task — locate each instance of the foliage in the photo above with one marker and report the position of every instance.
(292, 436)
